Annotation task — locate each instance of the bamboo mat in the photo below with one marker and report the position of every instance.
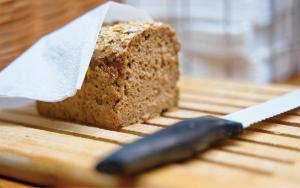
(52, 152)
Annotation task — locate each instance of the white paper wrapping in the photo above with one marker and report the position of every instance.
(54, 67)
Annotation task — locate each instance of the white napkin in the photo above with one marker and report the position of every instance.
(54, 67)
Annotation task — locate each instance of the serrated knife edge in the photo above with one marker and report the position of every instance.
(265, 110)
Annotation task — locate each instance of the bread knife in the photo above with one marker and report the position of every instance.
(186, 138)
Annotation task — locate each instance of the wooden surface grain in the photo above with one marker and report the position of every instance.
(53, 152)
(23, 22)
(13, 183)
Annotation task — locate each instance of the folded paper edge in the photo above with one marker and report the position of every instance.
(84, 62)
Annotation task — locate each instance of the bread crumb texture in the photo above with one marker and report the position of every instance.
(132, 77)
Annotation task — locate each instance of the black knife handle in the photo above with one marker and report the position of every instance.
(176, 143)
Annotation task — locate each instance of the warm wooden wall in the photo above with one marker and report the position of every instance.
(22, 22)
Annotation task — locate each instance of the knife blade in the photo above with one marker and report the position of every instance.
(186, 138)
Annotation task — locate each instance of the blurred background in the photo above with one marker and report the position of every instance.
(256, 40)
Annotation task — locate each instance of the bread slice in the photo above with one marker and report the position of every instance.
(132, 77)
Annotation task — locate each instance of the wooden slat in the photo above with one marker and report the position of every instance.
(141, 129)
(288, 119)
(8, 183)
(216, 100)
(64, 160)
(213, 98)
(266, 167)
(270, 139)
(163, 121)
(261, 151)
(222, 110)
(135, 129)
(208, 174)
(235, 85)
(241, 94)
(31, 110)
(210, 108)
(183, 114)
(55, 156)
(269, 127)
(277, 129)
(55, 151)
(67, 127)
(230, 94)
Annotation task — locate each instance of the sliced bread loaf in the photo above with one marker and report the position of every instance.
(132, 77)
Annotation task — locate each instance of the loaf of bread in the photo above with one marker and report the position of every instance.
(132, 77)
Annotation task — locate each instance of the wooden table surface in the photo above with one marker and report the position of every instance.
(52, 152)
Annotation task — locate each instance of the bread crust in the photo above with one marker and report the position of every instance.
(132, 77)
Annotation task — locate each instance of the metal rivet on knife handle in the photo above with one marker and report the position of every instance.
(176, 143)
